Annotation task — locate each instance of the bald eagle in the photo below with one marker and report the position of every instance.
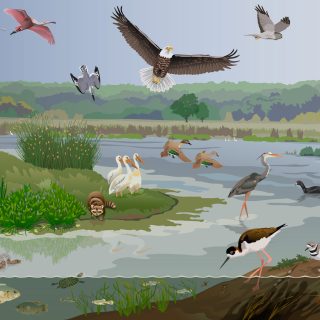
(162, 61)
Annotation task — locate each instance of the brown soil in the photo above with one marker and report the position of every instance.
(278, 298)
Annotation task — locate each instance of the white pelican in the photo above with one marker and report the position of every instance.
(116, 172)
(135, 181)
(122, 181)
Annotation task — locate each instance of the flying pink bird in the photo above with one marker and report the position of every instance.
(28, 23)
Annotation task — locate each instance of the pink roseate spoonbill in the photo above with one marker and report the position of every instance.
(249, 183)
(254, 240)
(28, 23)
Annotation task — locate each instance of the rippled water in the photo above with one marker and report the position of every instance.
(193, 248)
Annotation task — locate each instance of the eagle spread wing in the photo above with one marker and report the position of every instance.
(264, 21)
(136, 39)
(197, 64)
(283, 24)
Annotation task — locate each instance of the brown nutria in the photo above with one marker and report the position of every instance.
(97, 205)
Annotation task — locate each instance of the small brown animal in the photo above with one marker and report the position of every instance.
(97, 205)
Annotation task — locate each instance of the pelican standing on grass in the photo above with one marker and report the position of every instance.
(249, 183)
(28, 23)
(135, 181)
(116, 172)
(121, 182)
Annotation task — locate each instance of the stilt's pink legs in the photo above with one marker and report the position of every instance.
(268, 262)
(256, 271)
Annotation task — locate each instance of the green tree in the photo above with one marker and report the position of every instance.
(203, 111)
(186, 106)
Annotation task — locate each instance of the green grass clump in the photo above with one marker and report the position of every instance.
(125, 136)
(3, 189)
(190, 137)
(287, 263)
(23, 209)
(279, 139)
(43, 145)
(62, 208)
(308, 151)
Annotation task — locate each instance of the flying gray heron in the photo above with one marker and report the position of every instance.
(249, 183)
(269, 30)
(87, 82)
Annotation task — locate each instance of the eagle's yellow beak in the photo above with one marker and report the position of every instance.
(169, 48)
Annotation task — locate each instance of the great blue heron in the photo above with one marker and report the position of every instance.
(249, 183)
(86, 82)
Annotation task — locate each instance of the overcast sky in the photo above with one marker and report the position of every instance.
(85, 34)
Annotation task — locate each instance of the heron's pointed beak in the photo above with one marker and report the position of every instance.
(225, 261)
(13, 32)
(276, 155)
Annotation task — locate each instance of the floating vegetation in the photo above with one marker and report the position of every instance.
(309, 151)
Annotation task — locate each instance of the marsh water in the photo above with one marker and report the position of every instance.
(193, 248)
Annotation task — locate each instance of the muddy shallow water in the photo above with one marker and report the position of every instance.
(192, 248)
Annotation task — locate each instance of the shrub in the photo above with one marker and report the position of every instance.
(307, 151)
(43, 145)
(21, 209)
(62, 208)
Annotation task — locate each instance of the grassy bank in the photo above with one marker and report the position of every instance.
(125, 136)
(166, 128)
(190, 137)
(278, 139)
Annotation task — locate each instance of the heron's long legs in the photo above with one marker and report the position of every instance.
(244, 205)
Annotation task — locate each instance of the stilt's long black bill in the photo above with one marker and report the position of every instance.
(306, 248)
(225, 261)
(13, 32)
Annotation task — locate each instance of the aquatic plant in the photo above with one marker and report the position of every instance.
(46, 146)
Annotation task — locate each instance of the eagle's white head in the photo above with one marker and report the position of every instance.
(167, 52)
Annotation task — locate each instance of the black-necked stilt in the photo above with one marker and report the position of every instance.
(314, 250)
(254, 240)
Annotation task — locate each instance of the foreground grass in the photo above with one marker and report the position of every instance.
(287, 263)
(279, 139)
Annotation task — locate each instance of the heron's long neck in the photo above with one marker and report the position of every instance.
(267, 169)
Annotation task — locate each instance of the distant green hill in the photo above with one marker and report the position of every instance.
(243, 100)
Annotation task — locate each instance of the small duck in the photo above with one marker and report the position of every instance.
(206, 159)
(173, 149)
(135, 181)
(314, 250)
(310, 190)
(121, 182)
(116, 172)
